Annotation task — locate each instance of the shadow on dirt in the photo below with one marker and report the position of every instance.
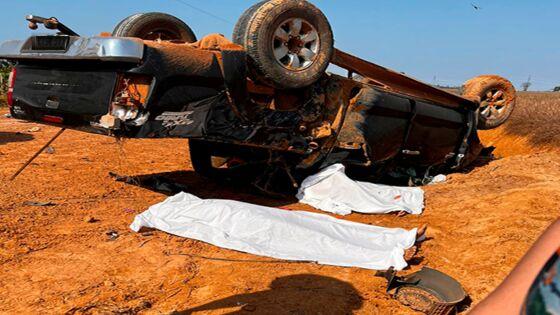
(171, 183)
(296, 294)
(8, 137)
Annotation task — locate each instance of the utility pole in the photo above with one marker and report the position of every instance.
(526, 85)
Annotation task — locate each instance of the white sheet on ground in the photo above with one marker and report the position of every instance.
(332, 191)
(283, 234)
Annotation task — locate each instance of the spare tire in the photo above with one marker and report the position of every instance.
(289, 42)
(155, 26)
(497, 99)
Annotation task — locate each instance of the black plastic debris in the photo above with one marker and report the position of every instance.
(112, 235)
(39, 203)
(153, 182)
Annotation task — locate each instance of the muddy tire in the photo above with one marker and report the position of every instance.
(155, 26)
(289, 42)
(240, 29)
(497, 99)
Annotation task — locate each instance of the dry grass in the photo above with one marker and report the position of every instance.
(536, 117)
(543, 107)
(533, 126)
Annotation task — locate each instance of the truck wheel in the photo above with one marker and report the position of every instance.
(155, 26)
(497, 99)
(240, 29)
(289, 42)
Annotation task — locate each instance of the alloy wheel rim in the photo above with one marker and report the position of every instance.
(296, 44)
(493, 104)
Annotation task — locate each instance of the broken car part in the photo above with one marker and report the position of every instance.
(428, 291)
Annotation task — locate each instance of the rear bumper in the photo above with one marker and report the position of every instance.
(69, 121)
(80, 48)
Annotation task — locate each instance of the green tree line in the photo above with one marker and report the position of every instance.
(5, 69)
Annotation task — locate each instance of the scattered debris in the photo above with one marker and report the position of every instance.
(332, 191)
(428, 291)
(39, 203)
(278, 234)
(154, 182)
(89, 219)
(112, 235)
(249, 308)
(438, 179)
(144, 243)
(49, 150)
(145, 305)
(34, 129)
(8, 115)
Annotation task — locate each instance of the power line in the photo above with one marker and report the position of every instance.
(204, 12)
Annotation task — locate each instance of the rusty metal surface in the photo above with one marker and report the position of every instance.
(397, 82)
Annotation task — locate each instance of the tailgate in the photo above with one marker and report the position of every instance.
(86, 93)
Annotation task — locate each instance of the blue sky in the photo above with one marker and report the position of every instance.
(445, 39)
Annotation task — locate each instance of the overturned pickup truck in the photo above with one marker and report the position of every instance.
(263, 103)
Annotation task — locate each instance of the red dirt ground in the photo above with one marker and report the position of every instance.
(53, 261)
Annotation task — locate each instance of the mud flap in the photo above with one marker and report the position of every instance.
(227, 107)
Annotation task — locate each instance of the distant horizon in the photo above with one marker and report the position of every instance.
(439, 42)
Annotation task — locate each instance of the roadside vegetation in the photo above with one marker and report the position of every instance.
(5, 69)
